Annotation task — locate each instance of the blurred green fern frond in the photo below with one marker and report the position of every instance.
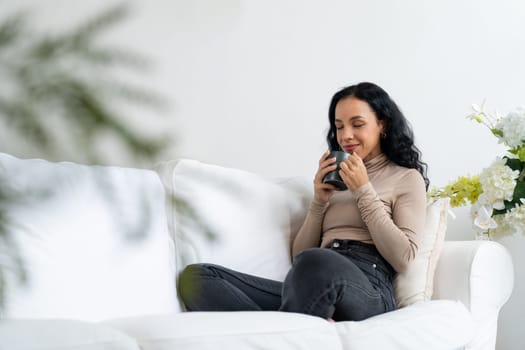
(73, 78)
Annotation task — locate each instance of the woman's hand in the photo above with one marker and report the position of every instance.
(322, 191)
(353, 172)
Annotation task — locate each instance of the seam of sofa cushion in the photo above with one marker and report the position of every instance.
(77, 346)
(236, 334)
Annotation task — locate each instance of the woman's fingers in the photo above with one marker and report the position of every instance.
(324, 187)
(327, 187)
(323, 157)
(345, 170)
(324, 191)
(355, 160)
(325, 166)
(353, 172)
(328, 162)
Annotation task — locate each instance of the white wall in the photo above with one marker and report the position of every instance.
(250, 81)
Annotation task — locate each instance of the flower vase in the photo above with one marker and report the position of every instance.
(482, 236)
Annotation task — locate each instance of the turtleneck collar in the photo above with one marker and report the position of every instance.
(376, 163)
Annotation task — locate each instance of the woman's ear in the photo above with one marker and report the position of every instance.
(382, 128)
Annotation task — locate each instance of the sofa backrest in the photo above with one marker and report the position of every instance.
(237, 219)
(92, 239)
(98, 242)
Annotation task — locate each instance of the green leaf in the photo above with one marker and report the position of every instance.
(97, 24)
(519, 192)
(499, 211)
(80, 39)
(12, 29)
(23, 120)
(513, 163)
(521, 154)
(497, 132)
(103, 56)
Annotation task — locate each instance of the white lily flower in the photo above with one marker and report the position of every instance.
(483, 219)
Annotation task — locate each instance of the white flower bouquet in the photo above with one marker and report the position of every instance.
(497, 194)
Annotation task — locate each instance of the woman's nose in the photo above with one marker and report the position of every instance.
(348, 134)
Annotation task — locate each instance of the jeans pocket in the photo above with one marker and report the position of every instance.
(368, 264)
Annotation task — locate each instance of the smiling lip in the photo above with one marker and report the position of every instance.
(350, 148)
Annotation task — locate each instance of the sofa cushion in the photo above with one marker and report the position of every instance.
(230, 330)
(93, 240)
(241, 220)
(417, 282)
(437, 324)
(62, 335)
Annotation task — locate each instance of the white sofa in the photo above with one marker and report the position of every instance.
(102, 247)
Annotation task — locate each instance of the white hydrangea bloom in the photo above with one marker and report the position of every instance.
(498, 182)
(516, 219)
(503, 227)
(511, 223)
(513, 128)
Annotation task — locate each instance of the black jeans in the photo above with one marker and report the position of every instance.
(348, 280)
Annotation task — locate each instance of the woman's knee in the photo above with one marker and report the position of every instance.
(190, 280)
(313, 263)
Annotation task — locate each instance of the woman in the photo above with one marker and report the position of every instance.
(352, 242)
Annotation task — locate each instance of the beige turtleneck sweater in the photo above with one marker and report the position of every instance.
(388, 211)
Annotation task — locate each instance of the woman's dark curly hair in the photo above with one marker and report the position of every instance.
(397, 140)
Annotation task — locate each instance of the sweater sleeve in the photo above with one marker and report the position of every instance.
(396, 237)
(309, 235)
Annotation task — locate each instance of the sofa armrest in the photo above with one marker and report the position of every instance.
(480, 274)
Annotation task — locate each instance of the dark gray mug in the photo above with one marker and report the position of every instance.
(333, 177)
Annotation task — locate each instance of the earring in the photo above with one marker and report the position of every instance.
(383, 135)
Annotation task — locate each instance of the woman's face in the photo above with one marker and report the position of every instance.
(358, 129)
